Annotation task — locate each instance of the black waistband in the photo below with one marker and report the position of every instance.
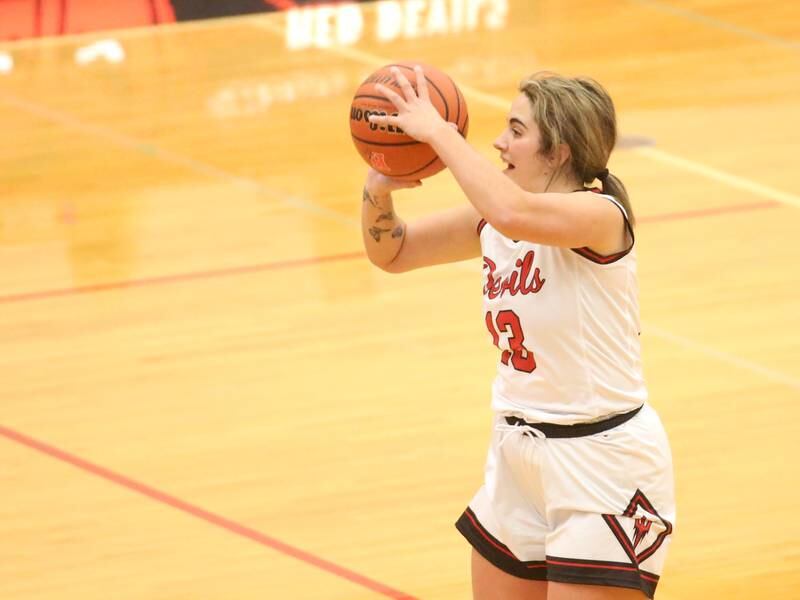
(553, 430)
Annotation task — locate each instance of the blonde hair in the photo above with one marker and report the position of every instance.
(578, 112)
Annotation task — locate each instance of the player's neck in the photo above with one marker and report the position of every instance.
(562, 185)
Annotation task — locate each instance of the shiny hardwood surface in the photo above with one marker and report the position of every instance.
(183, 303)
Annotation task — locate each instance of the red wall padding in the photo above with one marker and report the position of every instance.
(32, 18)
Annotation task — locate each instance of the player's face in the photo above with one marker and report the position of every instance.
(519, 147)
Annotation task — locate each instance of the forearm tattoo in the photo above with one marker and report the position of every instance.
(377, 232)
(366, 197)
(383, 222)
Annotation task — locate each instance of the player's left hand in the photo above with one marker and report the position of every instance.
(416, 116)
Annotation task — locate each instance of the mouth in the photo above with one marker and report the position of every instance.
(509, 166)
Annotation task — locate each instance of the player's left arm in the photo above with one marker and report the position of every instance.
(571, 220)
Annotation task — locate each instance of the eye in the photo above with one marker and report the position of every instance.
(516, 133)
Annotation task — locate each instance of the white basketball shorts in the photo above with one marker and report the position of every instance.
(596, 509)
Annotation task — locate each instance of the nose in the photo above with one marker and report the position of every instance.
(500, 143)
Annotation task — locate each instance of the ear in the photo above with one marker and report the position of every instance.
(561, 156)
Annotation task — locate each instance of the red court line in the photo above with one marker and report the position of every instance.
(147, 281)
(303, 262)
(709, 212)
(204, 515)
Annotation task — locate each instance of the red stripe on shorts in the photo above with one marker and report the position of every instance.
(486, 536)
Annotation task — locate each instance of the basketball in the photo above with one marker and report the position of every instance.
(387, 149)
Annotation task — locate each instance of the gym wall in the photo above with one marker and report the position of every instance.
(37, 18)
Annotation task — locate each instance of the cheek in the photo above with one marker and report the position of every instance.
(540, 162)
(518, 150)
(525, 154)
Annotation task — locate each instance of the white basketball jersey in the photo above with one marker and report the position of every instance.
(567, 324)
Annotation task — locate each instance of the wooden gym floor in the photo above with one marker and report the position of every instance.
(207, 391)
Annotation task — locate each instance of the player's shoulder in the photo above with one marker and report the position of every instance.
(597, 195)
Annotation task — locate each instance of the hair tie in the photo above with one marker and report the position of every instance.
(602, 175)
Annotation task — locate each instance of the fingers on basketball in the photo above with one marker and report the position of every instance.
(374, 124)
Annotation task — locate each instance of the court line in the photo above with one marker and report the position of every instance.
(734, 181)
(210, 170)
(685, 215)
(166, 156)
(699, 347)
(203, 514)
(719, 24)
(305, 262)
(265, 23)
(663, 156)
(698, 168)
(178, 277)
(772, 195)
(772, 374)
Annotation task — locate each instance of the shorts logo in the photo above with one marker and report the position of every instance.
(641, 528)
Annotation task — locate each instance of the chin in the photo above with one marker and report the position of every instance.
(514, 176)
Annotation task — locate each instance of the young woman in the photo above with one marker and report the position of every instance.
(578, 499)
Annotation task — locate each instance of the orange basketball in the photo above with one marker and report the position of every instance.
(386, 148)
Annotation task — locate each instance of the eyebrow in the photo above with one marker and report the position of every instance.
(516, 121)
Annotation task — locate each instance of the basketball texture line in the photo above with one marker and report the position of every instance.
(366, 141)
(386, 147)
(430, 82)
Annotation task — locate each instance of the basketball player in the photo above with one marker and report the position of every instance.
(578, 500)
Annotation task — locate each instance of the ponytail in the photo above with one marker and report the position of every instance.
(612, 186)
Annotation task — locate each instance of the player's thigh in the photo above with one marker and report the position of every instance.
(490, 583)
(572, 591)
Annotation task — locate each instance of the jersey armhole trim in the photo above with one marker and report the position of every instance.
(481, 225)
(600, 259)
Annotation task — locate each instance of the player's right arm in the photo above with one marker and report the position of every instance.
(394, 246)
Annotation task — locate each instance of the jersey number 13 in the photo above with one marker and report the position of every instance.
(508, 322)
